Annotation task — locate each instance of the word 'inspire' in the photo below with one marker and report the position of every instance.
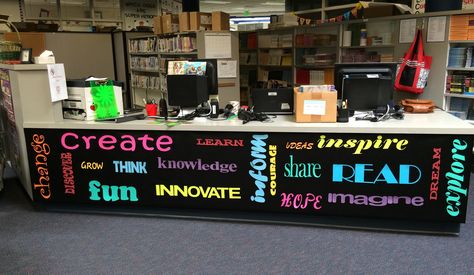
(361, 145)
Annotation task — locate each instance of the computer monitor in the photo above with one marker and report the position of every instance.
(192, 90)
(365, 86)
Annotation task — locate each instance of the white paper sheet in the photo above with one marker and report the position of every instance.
(217, 45)
(314, 107)
(226, 68)
(436, 29)
(407, 30)
(57, 82)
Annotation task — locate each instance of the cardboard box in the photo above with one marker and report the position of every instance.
(220, 21)
(200, 21)
(315, 106)
(184, 22)
(379, 11)
(170, 23)
(157, 27)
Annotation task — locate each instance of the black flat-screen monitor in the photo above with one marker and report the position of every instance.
(192, 90)
(365, 86)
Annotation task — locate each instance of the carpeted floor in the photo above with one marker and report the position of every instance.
(36, 242)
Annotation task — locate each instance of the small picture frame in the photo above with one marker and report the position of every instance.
(25, 56)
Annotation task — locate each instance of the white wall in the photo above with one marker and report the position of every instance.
(10, 8)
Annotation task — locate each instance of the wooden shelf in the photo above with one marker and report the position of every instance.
(470, 69)
(144, 53)
(178, 53)
(368, 47)
(316, 47)
(314, 66)
(145, 71)
(459, 95)
(275, 48)
(462, 41)
(277, 66)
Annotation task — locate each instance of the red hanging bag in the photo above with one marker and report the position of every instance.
(413, 73)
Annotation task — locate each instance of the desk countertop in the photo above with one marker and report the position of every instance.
(438, 122)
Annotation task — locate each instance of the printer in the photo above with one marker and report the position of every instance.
(80, 104)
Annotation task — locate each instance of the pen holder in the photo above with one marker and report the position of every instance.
(342, 115)
(151, 109)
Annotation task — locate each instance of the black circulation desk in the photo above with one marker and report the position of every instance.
(405, 175)
(394, 175)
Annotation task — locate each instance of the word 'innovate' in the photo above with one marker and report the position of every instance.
(359, 145)
(196, 165)
(455, 177)
(209, 192)
(127, 143)
(258, 165)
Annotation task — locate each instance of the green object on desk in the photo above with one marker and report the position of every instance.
(103, 97)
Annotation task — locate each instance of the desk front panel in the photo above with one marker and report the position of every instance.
(400, 176)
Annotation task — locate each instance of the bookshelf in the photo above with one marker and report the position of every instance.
(149, 56)
(275, 55)
(316, 52)
(248, 62)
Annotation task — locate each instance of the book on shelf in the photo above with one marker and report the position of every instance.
(285, 40)
(177, 44)
(248, 58)
(145, 45)
(286, 60)
(149, 63)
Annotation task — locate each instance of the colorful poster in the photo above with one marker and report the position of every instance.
(139, 13)
(414, 177)
(8, 133)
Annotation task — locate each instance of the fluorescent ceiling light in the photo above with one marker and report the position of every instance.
(215, 2)
(273, 4)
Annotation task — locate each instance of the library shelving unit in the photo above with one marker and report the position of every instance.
(148, 60)
(378, 45)
(143, 67)
(275, 54)
(459, 90)
(459, 93)
(248, 62)
(149, 56)
(315, 54)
